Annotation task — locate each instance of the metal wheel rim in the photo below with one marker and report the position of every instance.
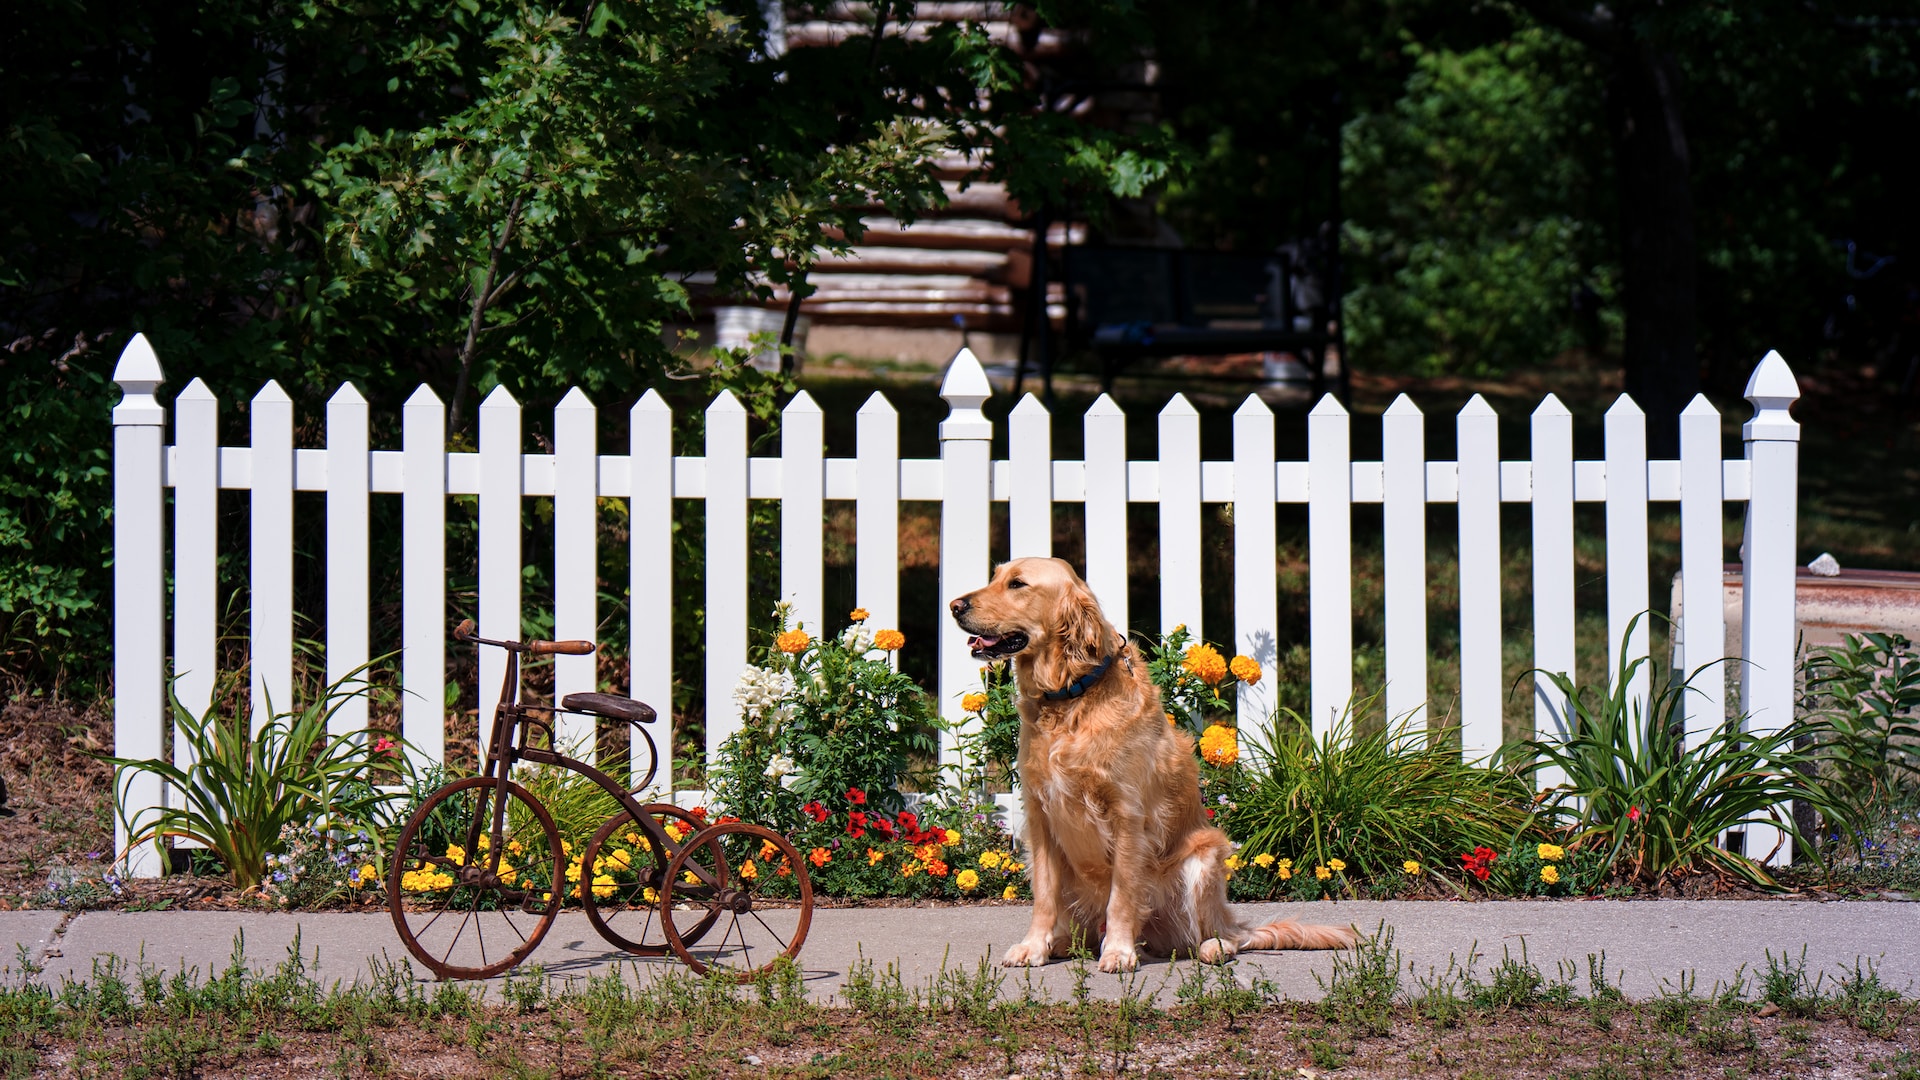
(802, 905)
(592, 905)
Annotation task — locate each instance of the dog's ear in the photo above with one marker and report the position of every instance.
(1083, 637)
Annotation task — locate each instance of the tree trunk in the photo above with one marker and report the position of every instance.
(1657, 253)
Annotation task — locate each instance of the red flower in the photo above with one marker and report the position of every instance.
(1480, 872)
(856, 796)
(881, 826)
(698, 813)
(907, 820)
(383, 745)
(854, 830)
(857, 817)
(1633, 813)
(725, 818)
(815, 811)
(1209, 811)
(1477, 862)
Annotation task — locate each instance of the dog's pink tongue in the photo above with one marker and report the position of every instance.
(981, 641)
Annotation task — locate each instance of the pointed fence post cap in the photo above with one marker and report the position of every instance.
(1772, 390)
(1179, 406)
(1551, 405)
(878, 405)
(965, 389)
(575, 399)
(1029, 406)
(424, 398)
(139, 375)
(1403, 406)
(1477, 406)
(1329, 406)
(802, 403)
(501, 398)
(346, 395)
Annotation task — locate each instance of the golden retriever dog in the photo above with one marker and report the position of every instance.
(1120, 850)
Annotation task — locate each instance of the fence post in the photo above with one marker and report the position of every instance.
(139, 618)
(1403, 467)
(1768, 558)
(1330, 563)
(1481, 721)
(966, 443)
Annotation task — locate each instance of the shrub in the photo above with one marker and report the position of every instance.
(822, 717)
(1867, 691)
(1636, 793)
(243, 788)
(1372, 801)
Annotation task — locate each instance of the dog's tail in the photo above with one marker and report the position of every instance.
(1288, 934)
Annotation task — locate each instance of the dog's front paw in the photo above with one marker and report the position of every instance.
(1115, 958)
(1216, 951)
(1026, 954)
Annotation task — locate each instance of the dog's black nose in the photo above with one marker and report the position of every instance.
(959, 607)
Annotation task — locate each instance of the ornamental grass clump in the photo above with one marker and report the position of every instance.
(243, 788)
(1374, 803)
(1653, 807)
(821, 716)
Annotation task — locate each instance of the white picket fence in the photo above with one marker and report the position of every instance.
(964, 480)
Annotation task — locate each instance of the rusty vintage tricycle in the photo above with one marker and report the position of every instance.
(482, 858)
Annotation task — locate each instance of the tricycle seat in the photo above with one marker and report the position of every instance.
(612, 706)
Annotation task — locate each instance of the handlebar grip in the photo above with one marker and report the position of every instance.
(464, 630)
(570, 648)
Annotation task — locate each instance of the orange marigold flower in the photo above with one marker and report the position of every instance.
(973, 702)
(749, 871)
(1206, 663)
(793, 641)
(889, 640)
(768, 850)
(819, 856)
(1246, 669)
(874, 855)
(937, 868)
(859, 614)
(1219, 745)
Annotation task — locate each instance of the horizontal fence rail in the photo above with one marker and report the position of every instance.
(964, 480)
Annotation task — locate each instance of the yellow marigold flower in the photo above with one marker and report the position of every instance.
(952, 837)
(1410, 867)
(1263, 860)
(689, 877)
(508, 875)
(967, 880)
(1235, 862)
(768, 849)
(990, 859)
(651, 895)
(874, 855)
(619, 859)
(1550, 852)
(748, 871)
(1550, 875)
(1220, 745)
(486, 841)
(1322, 873)
(911, 868)
(792, 641)
(1206, 663)
(1246, 669)
(456, 855)
(1286, 864)
(514, 847)
(368, 875)
(1336, 865)
(927, 852)
(859, 614)
(1285, 872)
(573, 870)
(632, 838)
(889, 640)
(603, 886)
(973, 702)
(1010, 893)
(673, 832)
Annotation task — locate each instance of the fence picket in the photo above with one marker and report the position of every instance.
(1106, 532)
(196, 515)
(650, 565)
(1030, 502)
(966, 488)
(1627, 595)
(1702, 632)
(271, 553)
(139, 601)
(876, 513)
(1480, 699)
(1330, 561)
(803, 511)
(423, 576)
(726, 475)
(1404, 524)
(1180, 588)
(1553, 649)
(1256, 588)
(1768, 626)
(576, 558)
(348, 465)
(501, 493)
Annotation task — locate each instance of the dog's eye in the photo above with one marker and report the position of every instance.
(1016, 583)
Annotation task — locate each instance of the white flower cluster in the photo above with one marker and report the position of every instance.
(857, 639)
(760, 690)
(782, 769)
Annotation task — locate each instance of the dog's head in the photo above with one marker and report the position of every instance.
(1038, 607)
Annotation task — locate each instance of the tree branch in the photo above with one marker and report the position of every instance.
(481, 298)
(1596, 29)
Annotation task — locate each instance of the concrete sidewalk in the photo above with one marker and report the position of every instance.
(1646, 943)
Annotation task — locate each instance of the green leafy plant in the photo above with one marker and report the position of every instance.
(1866, 690)
(1656, 807)
(243, 787)
(1373, 801)
(1195, 680)
(822, 717)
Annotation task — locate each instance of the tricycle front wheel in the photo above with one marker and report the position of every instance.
(749, 887)
(629, 864)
